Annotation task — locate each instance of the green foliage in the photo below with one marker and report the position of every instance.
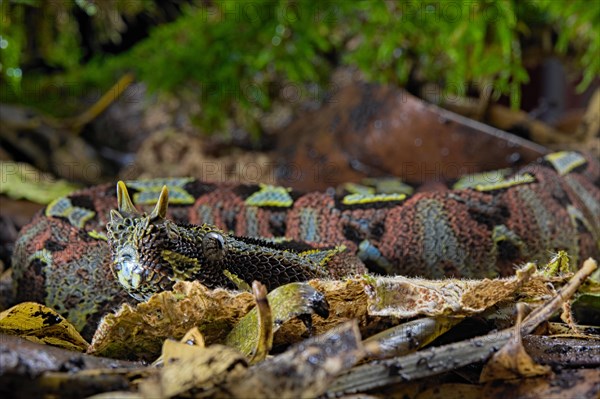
(40, 30)
(240, 55)
(455, 43)
(236, 53)
(12, 37)
(579, 31)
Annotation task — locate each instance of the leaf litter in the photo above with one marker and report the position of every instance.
(228, 346)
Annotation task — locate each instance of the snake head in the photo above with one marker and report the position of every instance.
(132, 235)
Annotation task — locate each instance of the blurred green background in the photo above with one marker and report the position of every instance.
(233, 56)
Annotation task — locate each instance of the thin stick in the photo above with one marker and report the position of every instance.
(452, 356)
(104, 102)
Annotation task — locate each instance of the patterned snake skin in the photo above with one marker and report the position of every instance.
(480, 226)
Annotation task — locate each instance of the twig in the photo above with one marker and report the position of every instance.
(19, 356)
(505, 118)
(590, 124)
(77, 123)
(452, 356)
(265, 323)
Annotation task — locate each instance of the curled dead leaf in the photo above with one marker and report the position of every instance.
(139, 332)
(448, 357)
(41, 324)
(408, 297)
(512, 361)
(284, 303)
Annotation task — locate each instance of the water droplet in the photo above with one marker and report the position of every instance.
(378, 124)
(418, 142)
(313, 359)
(444, 151)
(514, 157)
(276, 40)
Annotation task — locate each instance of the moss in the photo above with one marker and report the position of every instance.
(238, 57)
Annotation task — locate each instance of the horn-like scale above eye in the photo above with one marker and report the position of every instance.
(160, 210)
(126, 207)
(213, 245)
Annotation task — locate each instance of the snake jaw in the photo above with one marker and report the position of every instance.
(128, 269)
(138, 280)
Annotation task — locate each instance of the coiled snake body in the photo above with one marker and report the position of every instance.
(228, 235)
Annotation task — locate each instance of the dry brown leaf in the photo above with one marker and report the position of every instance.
(512, 361)
(250, 335)
(347, 301)
(134, 332)
(265, 332)
(41, 324)
(305, 370)
(192, 369)
(192, 338)
(140, 331)
(437, 360)
(408, 297)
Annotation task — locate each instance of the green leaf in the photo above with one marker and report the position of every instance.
(23, 181)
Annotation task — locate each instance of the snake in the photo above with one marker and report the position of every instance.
(87, 252)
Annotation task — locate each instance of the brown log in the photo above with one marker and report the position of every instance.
(27, 369)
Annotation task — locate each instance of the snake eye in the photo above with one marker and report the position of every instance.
(213, 245)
